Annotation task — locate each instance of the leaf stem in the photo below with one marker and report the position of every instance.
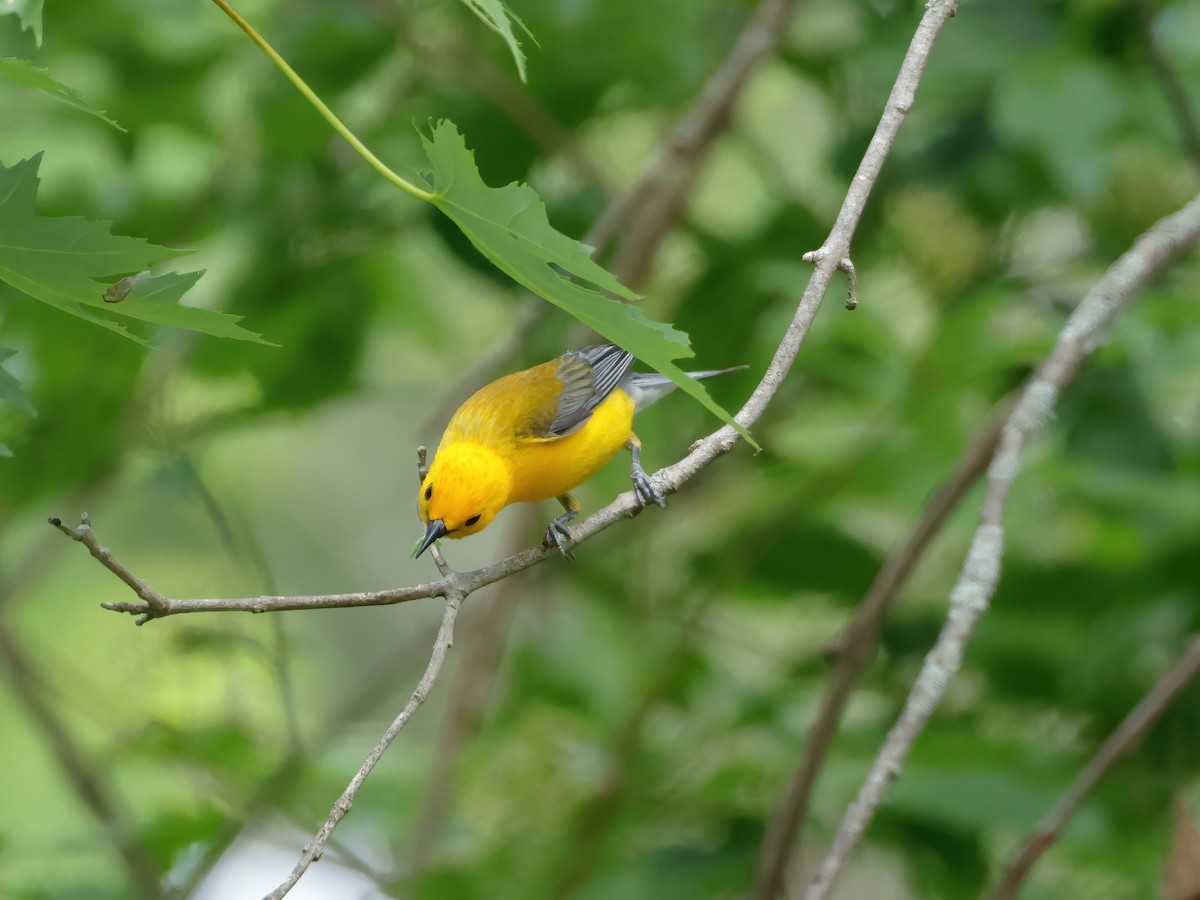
(326, 113)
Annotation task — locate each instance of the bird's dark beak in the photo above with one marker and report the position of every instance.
(434, 530)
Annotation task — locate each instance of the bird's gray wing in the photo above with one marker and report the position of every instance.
(588, 376)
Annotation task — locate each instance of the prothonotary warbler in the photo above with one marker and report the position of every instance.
(538, 434)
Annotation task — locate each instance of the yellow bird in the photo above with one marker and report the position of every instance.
(538, 434)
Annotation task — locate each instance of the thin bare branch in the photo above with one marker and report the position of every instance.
(435, 551)
(1083, 332)
(855, 649)
(316, 846)
(1127, 735)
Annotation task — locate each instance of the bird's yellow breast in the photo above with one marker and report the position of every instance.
(542, 468)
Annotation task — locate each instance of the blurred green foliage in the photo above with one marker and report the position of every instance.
(647, 705)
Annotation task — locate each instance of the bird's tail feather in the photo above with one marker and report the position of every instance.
(647, 387)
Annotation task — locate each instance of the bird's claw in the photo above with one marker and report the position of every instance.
(645, 490)
(558, 536)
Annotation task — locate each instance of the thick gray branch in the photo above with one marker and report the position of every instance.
(1084, 330)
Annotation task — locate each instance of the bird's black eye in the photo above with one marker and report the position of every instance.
(428, 492)
(471, 521)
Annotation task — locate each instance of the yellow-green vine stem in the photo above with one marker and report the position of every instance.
(359, 147)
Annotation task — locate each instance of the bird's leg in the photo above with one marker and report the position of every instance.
(642, 485)
(557, 534)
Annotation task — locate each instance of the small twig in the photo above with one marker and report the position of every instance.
(1084, 330)
(851, 283)
(445, 639)
(844, 265)
(155, 603)
(1127, 735)
(855, 648)
(435, 551)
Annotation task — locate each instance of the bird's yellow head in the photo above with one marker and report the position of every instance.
(462, 492)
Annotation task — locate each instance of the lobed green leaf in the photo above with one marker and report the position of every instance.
(70, 262)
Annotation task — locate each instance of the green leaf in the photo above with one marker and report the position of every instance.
(26, 74)
(29, 12)
(498, 17)
(68, 262)
(509, 226)
(10, 388)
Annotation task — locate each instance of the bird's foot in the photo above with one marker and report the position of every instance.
(558, 536)
(644, 488)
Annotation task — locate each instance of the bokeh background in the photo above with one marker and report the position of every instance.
(621, 727)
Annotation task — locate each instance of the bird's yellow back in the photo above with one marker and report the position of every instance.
(511, 416)
(508, 410)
